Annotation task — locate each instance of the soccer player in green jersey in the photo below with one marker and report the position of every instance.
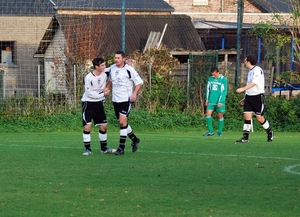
(216, 91)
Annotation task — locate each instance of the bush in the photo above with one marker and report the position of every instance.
(283, 115)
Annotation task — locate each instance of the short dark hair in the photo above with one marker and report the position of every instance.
(214, 69)
(252, 59)
(97, 61)
(122, 53)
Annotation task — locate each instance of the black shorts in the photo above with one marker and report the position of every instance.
(93, 111)
(122, 108)
(255, 104)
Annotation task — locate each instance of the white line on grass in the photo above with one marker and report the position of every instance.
(220, 155)
(164, 152)
(289, 169)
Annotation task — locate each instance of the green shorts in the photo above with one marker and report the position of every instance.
(215, 107)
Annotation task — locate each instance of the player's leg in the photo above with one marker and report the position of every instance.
(259, 112)
(101, 121)
(103, 140)
(248, 110)
(87, 115)
(87, 139)
(247, 126)
(134, 139)
(221, 111)
(220, 123)
(121, 114)
(209, 121)
(123, 134)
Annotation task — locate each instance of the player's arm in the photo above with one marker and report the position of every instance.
(107, 88)
(224, 88)
(108, 83)
(248, 86)
(135, 92)
(207, 92)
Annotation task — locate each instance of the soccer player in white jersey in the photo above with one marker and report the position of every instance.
(92, 106)
(125, 83)
(253, 101)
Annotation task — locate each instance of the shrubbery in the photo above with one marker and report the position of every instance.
(162, 104)
(283, 114)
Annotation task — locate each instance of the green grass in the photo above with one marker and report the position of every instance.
(172, 174)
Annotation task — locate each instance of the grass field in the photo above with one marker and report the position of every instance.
(172, 174)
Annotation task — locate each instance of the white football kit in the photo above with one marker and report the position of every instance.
(256, 75)
(93, 87)
(123, 81)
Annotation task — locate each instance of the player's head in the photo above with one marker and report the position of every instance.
(215, 72)
(97, 62)
(214, 69)
(121, 53)
(120, 58)
(251, 59)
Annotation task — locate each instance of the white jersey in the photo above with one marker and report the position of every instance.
(256, 75)
(123, 81)
(94, 87)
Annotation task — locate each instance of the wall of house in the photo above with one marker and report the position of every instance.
(228, 6)
(54, 63)
(26, 33)
(220, 10)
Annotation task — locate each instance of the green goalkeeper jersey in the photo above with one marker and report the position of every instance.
(216, 90)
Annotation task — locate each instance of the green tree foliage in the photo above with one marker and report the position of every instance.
(278, 40)
(162, 89)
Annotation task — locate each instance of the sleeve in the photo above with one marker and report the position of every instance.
(135, 77)
(257, 75)
(107, 71)
(224, 89)
(207, 89)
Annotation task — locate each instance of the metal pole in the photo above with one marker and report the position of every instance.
(150, 76)
(74, 75)
(39, 83)
(259, 50)
(238, 46)
(292, 56)
(123, 26)
(188, 81)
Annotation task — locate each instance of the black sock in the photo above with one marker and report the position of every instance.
(247, 124)
(87, 146)
(103, 144)
(123, 135)
(132, 136)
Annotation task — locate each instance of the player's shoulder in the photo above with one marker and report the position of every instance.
(257, 69)
(89, 74)
(223, 77)
(111, 67)
(128, 67)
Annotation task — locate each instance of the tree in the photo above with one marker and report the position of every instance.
(283, 43)
(84, 36)
(162, 89)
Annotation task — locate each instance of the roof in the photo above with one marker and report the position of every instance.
(272, 6)
(132, 5)
(49, 7)
(26, 7)
(180, 32)
(205, 24)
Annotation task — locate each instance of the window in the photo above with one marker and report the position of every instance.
(7, 49)
(200, 2)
